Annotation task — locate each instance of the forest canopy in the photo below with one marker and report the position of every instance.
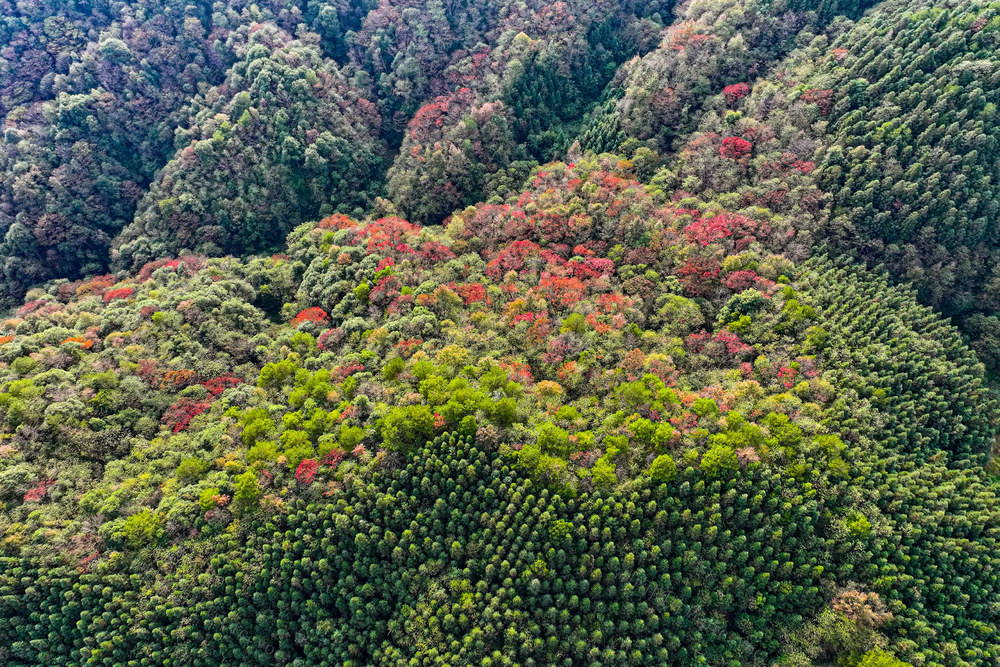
(499, 333)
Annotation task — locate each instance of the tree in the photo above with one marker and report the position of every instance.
(663, 468)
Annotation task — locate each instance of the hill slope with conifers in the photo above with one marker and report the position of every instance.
(498, 333)
(879, 138)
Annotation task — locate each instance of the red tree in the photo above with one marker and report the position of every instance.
(734, 148)
(39, 492)
(698, 274)
(313, 314)
(217, 385)
(735, 92)
(821, 98)
(178, 417)
(472, 293)
(306, 472)
(120, 293)
(741, 280)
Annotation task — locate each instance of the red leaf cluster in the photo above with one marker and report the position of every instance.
(30, 307)
(340, 373)
(336, 221)
(192, 264)
(176, 380)
(329, 338)
(306, 472)
(408, 346)
(219, 384)
(432, 251)
(735, 92)
(313, 314)
(821, 98)
(39, 492)
(735, 148)
(787, 376)
(96, 285)
(386, 289)
(741, 280)
(698, 274)
(179, 415)
(562, 291)
(333, 459)
(120, 293)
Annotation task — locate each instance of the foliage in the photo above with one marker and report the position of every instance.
(641, 407)
(495, 576)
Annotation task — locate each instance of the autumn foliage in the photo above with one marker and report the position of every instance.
(315, 315)
(179, 415)
(735, 148)
(120, 293)
(84, 343)
(735, 92)
(305, 473)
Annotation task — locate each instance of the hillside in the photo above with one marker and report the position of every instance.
(498, 333)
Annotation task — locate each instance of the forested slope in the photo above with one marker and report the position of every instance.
(590, 366)
(880, 140)
(498, 333)
(127, 117)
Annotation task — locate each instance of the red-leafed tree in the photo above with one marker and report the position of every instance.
(219, 384)
(735, 148)
(699, 274)
(821, 98)
(735, 92)
(314, 314)
(306, 472)
(120, 293)
(179, 415)
(38, 492)
(471, 293)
